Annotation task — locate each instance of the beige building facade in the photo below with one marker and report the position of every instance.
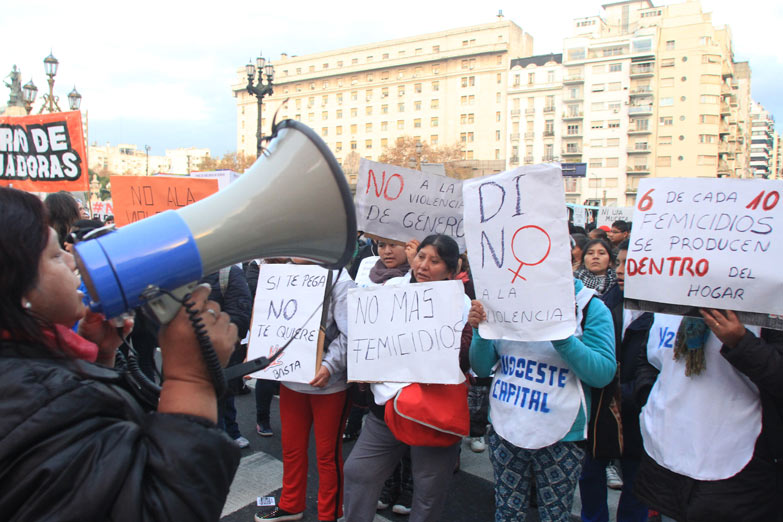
(126, 159)
(442, 88)
(652, 91)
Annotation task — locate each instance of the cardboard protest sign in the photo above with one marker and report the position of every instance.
(608, 215)
(137, 197)
(707, 243)
(519, 253)
(403, 204)
(363, 274)
(406, 333)
(287, 305)
(43, 152)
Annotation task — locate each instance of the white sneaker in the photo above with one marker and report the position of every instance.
(613, 479)
(477, 444)
(242, 442)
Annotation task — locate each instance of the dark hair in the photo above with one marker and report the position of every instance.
(624, 244)
(580, 240)
(24, 233)
(604, 243)
(601, 233)
(621, 225)
(447, 248)
(63, 212)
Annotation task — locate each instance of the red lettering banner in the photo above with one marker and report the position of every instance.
(43, 152)
(137, 197)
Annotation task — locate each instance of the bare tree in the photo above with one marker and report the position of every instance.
(403, 152)
(236, 161)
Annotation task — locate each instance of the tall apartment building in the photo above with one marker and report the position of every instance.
(535, 87)
(762, 145)
(649, 91)
(442, 88)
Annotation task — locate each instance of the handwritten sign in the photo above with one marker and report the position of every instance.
(608, 215)
(43, 153)
(404, 204)
(283, 309)
(518, 248)
(137, 197)
(224, 177)
(363, 274)
(406, 333)
(707, 243)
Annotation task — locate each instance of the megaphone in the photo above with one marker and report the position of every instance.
(293, 202)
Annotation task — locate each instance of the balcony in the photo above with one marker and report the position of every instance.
(572, 152)
(528, 160)
(549, 109)
(573, 116)
(530, 135)
(577, 78)
(642, 71)
(640, 148)
(723, 168)
(515, 113)
(642, 91)
(549, 133)
(547, 157)
(514, 160)
(574, 99)
(724, 108)
(530, 111)
(515, 136)
(576, 135)
(630, 191)
(640, 110)
(638, 130)
(637, 170)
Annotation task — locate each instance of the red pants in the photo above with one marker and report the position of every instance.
(327, 414)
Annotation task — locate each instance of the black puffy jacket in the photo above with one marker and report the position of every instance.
(76, 446)
(755, 494)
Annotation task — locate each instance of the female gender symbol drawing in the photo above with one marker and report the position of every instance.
(530, 241)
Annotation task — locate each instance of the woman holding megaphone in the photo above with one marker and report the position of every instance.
(75, 444)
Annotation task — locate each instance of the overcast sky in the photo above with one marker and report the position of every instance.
(154, 73)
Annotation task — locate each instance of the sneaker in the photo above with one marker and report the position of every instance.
(278, 514)
(477, 444)
(242, 442)
(613, 480)
(404, 501)
(264, 430)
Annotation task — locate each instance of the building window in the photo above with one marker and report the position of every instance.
(384, 75)
(367, 144)
(368, 110)
(384, 109)
(497, 135)
(665, 121)
(401, 107)
(597, 125)
(354, 112)
(354, 95)
(417, 105)
(497, 116)
(615, 67)
(400, 91)
(669, 45)
(666, 102)
(663, 161)
(596, 163)
(353, 128)
(613, 124)
(615, 86)
(384, 125)
(571, 130)
(612, 162)
(435, 85)
(434, 121)
(417, 123)
(339, 130)
(434, 139)
(664, 140)
(400, 124)
(353, 145)
(434, 104)
(531, 78)
(707, 138)
(325, 115)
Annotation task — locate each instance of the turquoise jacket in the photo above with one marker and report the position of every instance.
(591, 358)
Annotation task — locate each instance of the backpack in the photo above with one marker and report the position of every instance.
(605, 426)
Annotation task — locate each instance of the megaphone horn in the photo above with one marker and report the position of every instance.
(293, 202)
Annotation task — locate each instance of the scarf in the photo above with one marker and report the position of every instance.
(599, 283)
(65, 340)
(689, 344)
(379, 274)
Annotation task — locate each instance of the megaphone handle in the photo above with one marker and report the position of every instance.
(211, 360)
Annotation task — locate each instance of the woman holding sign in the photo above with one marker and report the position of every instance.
(539, 406)
(712, 396)
(322, 406)
(378, 450)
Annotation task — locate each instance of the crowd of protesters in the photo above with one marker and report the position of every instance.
(690, 434)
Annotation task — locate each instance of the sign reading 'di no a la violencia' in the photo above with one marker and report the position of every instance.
(403, 204)
(519, 253)
(712, 243)
(286, 297)
(406, 333)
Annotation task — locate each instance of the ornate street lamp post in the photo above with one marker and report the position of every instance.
(29, 92)
(260, 90)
